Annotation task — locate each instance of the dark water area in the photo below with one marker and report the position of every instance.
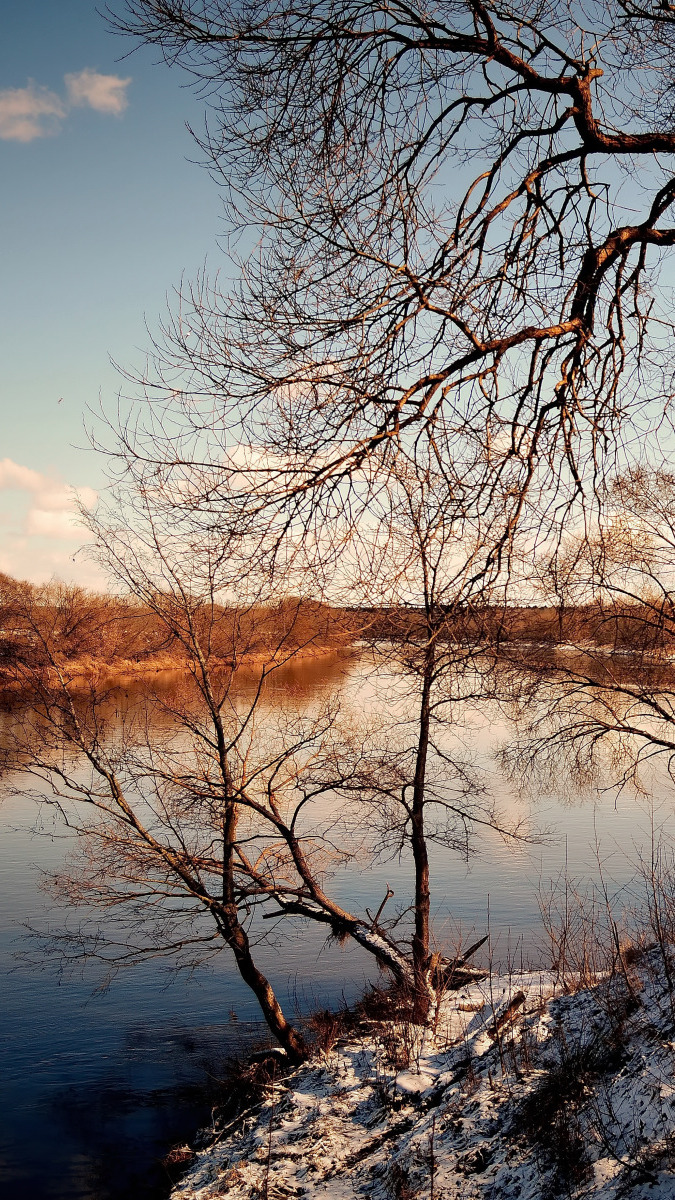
(98, 1085)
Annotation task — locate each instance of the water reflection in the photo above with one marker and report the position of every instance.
(96, 1089)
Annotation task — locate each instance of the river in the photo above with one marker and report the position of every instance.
(97, 1085)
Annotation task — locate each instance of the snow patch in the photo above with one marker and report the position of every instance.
(518, 1092)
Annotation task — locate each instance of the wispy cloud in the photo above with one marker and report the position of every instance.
(54, 506)
(40, 524)
(36, 112)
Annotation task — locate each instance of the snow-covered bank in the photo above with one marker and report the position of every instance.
(518, 1092)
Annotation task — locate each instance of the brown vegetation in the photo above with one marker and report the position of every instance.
(97, 636)
(626, 626)
(93, 636)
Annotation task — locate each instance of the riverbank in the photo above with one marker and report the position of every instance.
(88, 671)
(520, 1091)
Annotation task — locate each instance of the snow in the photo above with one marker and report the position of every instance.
(412, 1083)
(520, 1091)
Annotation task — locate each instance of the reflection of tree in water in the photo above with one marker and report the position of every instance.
(314, 676)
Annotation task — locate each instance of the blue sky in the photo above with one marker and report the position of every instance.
(101, 213)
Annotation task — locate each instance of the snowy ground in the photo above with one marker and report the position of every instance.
(519, 1092)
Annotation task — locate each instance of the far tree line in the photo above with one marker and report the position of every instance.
(94, 632)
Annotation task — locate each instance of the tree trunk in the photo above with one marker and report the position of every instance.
(237, 939)
(420, 942)
(285, 1033)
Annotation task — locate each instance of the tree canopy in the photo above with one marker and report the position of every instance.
(462, 212)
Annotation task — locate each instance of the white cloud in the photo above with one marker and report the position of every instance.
(30, 112)
(62, 523)
(12, 475)
(47, 495)
(55, 561)
(104, 93)
(34, 112)
(43, 528)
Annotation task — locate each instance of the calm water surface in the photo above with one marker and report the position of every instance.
(97, 1086)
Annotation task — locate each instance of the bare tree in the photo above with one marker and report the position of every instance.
(155, 800)
(228, 814)
(562, 579)
(446, 275)
(191, 825)
(462, 211)
(411, 561)
(612, 704)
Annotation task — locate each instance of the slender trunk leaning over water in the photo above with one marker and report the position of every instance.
(235, 935)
